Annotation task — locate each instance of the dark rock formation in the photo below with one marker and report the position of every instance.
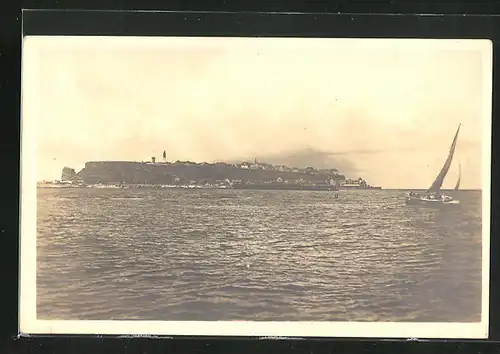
(68, 174)
(122, 172)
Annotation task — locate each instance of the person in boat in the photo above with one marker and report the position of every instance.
(435, 196)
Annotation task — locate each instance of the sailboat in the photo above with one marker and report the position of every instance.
(459, 176)
(433, 194)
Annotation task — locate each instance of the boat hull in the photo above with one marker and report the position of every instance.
(423, 201)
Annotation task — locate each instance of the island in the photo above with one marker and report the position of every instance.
(188, 174)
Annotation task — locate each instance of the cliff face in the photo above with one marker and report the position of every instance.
(67, 174)
(171, 173)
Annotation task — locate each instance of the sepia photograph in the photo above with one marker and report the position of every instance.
(244, 186)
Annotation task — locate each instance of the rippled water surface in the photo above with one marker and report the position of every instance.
(256, 255)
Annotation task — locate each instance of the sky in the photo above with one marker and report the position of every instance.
(384, 110)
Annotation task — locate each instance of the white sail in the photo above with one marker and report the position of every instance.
(438, 182)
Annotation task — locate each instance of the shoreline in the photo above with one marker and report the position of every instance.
(294, 188)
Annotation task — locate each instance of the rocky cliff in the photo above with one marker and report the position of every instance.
(122, 172)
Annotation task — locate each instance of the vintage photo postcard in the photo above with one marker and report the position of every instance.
(262, 187)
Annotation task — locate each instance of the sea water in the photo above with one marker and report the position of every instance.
(191, 254)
